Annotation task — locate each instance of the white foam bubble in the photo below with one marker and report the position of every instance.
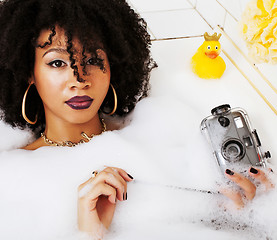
(161, 147)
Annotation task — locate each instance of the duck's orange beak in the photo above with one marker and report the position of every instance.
(212, 54)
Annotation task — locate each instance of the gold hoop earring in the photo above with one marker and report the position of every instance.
(115, 102)
(23, 108)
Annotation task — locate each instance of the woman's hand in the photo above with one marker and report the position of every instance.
(97, 199)
(247, 186)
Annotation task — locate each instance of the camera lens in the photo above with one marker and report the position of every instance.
(233, 150)
(224, 121)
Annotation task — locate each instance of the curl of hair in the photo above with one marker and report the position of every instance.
(110, 25)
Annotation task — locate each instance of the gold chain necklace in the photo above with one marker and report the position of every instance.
(73, 144)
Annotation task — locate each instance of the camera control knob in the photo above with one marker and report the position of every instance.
(224, 121)
(222, 109)
(267, 154)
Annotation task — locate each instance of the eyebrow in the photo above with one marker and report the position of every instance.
(59, 50)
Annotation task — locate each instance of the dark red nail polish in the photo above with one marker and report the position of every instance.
(229, 172)
(130, 176)
(123, 196)
(126, 196)
(253, 170)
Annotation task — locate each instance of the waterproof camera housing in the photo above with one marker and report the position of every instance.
(234, 143)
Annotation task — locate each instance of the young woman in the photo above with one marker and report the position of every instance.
(64, 66)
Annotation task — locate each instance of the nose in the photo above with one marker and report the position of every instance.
(78, 81)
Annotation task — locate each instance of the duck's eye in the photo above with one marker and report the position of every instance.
(209, 47)
(216, 47)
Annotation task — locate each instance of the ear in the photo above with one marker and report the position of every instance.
(31, 79)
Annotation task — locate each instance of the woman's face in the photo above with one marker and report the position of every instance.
(63, 97)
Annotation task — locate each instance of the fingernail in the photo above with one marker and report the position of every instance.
(123, 196)
(126, 196)
(229, 172)
(271, 170)
(253, 170)
(130, 176)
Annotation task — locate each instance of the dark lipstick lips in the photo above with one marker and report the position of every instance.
(79, 102)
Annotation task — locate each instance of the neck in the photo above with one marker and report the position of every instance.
(60, 131)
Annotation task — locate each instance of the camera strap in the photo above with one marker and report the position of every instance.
(177, 187)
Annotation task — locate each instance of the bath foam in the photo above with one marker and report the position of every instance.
(39, 188)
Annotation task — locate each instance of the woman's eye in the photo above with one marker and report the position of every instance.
(94, 61)
(57, 64)
(91, 61)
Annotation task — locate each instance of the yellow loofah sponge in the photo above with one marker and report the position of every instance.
(258, 26)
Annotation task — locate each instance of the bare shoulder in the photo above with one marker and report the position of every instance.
(34, 145)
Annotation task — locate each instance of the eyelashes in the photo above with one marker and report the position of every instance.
(90, 62)
(95, 61)
(99, 62)
(57, 64)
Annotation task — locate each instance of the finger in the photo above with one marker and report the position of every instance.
(234, 196)
(248, 187)
(261, 177)
(115, 172)
(102, 189)
(126, 176)
(114, 181)
(123, 175)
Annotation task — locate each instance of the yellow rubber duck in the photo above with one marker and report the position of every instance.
(206, 62)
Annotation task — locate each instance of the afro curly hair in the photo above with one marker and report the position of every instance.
(111, 25)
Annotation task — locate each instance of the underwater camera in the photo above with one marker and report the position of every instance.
(234, 143)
